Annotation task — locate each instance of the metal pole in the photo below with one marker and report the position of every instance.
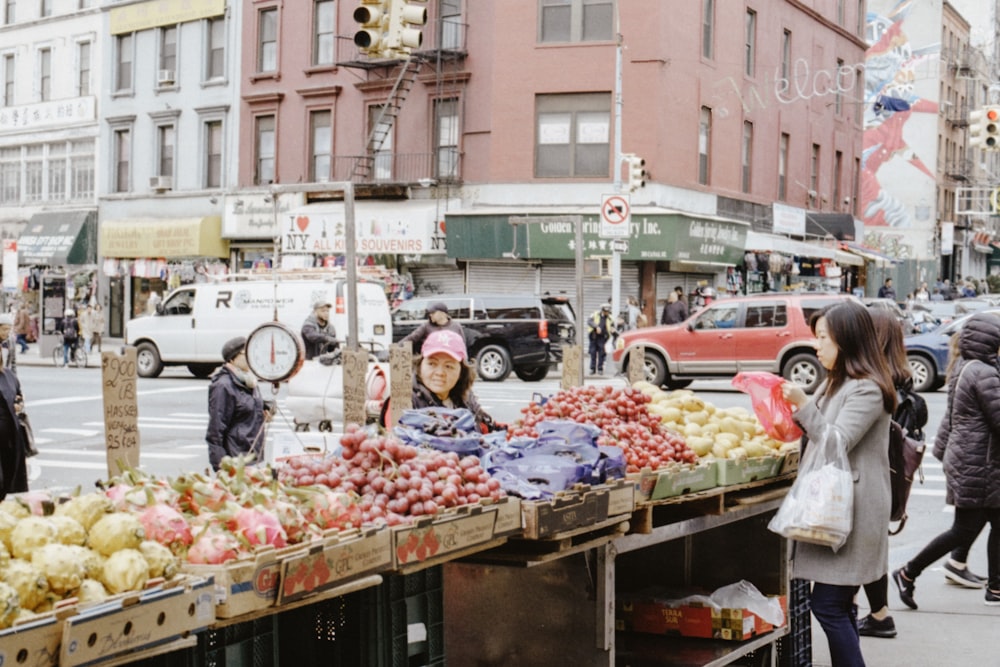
(616, 260)
(580, 313)
(350, 258)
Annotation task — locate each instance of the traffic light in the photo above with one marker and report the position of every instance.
(984, 128)
(636, 172)
(403, 16)
(373, 17)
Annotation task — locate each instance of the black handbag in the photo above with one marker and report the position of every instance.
(28, 434)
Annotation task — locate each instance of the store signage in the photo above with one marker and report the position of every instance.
(155, 13)
(788, 220)
(121, 410)
(616, 214)
(386, 229)
(255, 215)
(46, 114)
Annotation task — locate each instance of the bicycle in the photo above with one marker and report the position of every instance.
(77, 356)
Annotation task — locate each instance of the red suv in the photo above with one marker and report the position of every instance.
(766, 332)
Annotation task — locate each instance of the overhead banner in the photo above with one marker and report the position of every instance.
(155, 13)
(381, 229)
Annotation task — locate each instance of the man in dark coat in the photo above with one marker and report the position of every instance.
(13, 463)
(887, 291)
(318, 333)
(675, 311)
(438, 319)
(236, 412)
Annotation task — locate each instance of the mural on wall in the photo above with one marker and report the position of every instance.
(900, 120)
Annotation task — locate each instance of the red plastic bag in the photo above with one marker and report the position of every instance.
(771, 408)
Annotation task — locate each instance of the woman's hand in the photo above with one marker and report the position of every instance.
(793, 394)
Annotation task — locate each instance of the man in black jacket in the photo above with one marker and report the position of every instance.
(318, 333)
(236, 412)
(675, 311)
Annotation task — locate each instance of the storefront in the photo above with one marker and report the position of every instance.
(775, 263)
(144, 259)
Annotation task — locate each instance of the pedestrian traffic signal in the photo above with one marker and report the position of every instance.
(373, 17)
(636, 172)
(984, 128)
(403, 36)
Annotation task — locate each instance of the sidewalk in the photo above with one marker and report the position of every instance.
(33, 357)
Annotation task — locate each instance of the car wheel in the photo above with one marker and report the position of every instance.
(201, 370)
(147, 361)
(805, 371)
(924, 375)
(534, 374)
(493, 363)
(656, 369)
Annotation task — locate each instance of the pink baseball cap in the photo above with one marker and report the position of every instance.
(445, 341)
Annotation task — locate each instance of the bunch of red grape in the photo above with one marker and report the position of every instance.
(622, 416)
(395, 480)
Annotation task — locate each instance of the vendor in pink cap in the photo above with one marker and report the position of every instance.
(442, 377)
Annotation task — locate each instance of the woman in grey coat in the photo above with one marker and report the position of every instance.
(855, 400)
(966, 443)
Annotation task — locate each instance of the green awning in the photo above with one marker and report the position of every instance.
(59, 238)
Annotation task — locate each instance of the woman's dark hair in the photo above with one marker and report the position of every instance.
(858, 355)
(462, 387)
(889, 332)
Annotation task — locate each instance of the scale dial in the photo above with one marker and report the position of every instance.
(275, 352)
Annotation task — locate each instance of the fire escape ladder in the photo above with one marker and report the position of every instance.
(386, 119)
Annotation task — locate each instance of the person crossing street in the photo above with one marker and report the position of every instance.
(600, 328)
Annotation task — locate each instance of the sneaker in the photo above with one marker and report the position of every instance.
(992, 598)
(869, 626)
(962, 576)
(905, 587)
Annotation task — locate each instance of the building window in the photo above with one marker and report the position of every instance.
(783, 166)
(704, 144)
(166, 141)
(46, 9)
(8, 79)
(267, 46)
(265, 147)
(81, 169)
(123, 80)
(57, 172)
(747, 155)
(324, 37)
(838, 100)
(750, 54)
(708, 29)
(786, 55)
(446, 139)
(576, 20)
(9, 11)
(861, 17)
(855, 185)
(213, 154)
(838, 166)
(320, 149)
(814, 177)
(33, 172)
(83, 69)
(86, 4)
(215, 62)
(45, 74)
(451, 34)
(10, 175)
(573, 135)
(384, 150)
(122, 156)
(168, 49)
(840, 12)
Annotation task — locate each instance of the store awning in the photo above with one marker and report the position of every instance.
(171, 238)
(59, 238)
(758, 242)
(981, 243)
(869, 254)
(841, 226)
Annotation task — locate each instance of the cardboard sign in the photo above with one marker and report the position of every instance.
(400, 380)
(572, 367)
(121, 410)
(355, 376)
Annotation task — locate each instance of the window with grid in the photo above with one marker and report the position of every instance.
(166, 143)
(10, 175)
(708, 29)
(123, 65)
(704, 145)
(168, 48)
(576, 20)
(213, 154)
(783, 166)
(450, 12)
(215, 61)
(265, 150)
(838, 165)
(747, 155)
(838, 100)
(572, 135)
(446, 139)
(81, 169)
(750, 48)
(8, 79)
(83, 69)
(324, 37)
(45, 74)
(122, 152)
(57, 172)
(814, 176)
(34, 169)
(267, 40)
(321, 145)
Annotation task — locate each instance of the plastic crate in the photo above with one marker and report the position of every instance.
(795, 648)
(414, 623)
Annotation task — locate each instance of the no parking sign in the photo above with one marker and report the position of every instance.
(616, 214)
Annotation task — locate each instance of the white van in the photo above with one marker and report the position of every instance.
(192, 323)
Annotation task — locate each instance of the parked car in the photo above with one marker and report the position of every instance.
(766, 332)
(928, 353)
(504, 332)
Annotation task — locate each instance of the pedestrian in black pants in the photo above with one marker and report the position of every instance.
(600, 328)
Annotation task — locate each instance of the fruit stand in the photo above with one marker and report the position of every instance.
(390, 553)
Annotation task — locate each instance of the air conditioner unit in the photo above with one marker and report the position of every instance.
(165, 77)
(161, 183)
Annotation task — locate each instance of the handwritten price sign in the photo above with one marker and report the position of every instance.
(121, 410)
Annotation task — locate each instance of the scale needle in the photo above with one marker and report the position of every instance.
(272, 348)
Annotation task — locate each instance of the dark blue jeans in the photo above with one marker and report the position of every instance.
(833, 606)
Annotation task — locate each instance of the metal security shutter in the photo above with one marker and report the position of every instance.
(437, 280)
(509, 278)
(666, 282)
(559, 278)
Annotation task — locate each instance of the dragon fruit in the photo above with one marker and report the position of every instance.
(161, 561)
(36, 503)
(92, 561)
(87, 509)
(125, 570)
(114, 532)
(116, 494)
(213, 546)
(166, 525)
(10, 607)
(28, 580)
(259, 527)
(30, 533)
(60, 566)
(7, 523)
(68, 530)
(327, 508)
(199, 493)
(91, 590)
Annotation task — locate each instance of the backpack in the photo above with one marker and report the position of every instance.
(906, 451)
(70, 330)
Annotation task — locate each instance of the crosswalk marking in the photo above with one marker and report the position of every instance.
(83, 433)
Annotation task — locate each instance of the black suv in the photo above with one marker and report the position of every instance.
(505, 333)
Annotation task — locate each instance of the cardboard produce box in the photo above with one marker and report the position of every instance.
(577, 508)
(35, 642)
(663, 617)
(454, 531)
(336, 560)
(748, 470)
(676, 480)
